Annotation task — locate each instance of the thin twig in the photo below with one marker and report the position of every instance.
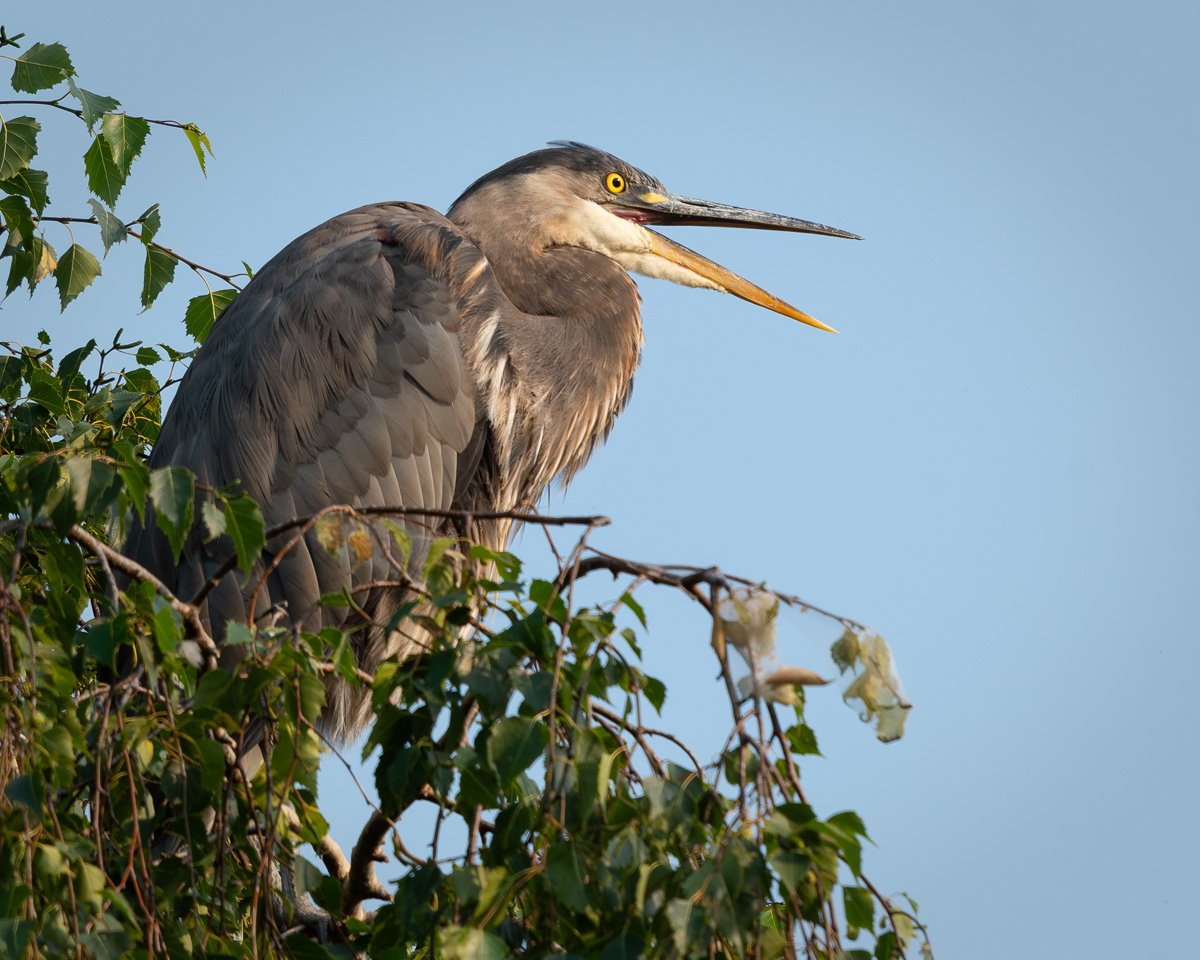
(614, 717)
(190, 614)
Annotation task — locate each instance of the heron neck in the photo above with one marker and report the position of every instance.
(571, 347)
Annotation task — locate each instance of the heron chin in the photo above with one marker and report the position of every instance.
(393, 356)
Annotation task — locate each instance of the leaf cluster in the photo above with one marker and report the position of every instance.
(120, 751)
(115, 140)
(137, 816)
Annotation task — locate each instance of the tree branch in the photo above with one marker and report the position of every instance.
(190, 613)
(362, 883)
(198, 268)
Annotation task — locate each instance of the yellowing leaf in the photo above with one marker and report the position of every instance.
(360, 545)
(797, 677)
(199, 141)
(748, 620)
(330, 534)
(876, 684)
(46, 262)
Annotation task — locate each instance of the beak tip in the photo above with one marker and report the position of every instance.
(813, 322)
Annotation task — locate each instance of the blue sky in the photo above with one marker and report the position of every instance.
(991, 464)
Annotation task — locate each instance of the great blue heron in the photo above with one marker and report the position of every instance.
(394, 356)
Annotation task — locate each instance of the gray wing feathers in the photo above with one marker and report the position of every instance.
(337, 376)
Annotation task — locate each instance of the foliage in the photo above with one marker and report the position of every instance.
(128, 825)
(116, 141)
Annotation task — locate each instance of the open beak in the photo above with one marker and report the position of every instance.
(648, 207)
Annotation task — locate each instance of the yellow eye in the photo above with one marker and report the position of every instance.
(615, 183)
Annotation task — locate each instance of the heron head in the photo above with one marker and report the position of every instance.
(573, 195)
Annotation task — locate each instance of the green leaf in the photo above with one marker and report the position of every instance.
(125, 136)
(686, 920)
(214, 520)
(593, 768)
(622, 948)
(566, 870)
(199, 141)
(486, 673)
(296, 756)
(40, 67)
(477, 784)
(904, 926)
(300, 947)
(849, 821)
(167, 627)
(12, 372)
(792, 866)
(175, 355)
(31, 265)
(507, 565)
(70, 364)
(77, 268)
(18, 144)
(468, 943)
(328, 894)
(104, 177)
(104, 944)
(91, 483)
(802, 740)
(542, 593)
(29, 183)
(845, 841)
(307, 876)
(172, 491)
(159, 271)
(148, 355)
(515, 743)
(402, 540)
(28, 791)
(312, 696)
(656, 692)
(202, 312)
(535, 690)
(18, 220)
(789, 819)
(480, 886)
(137, 484)
(860, 907)
(151, 221)
(245, 526)
(94, 106)
(628, 601)
(15, 936)
(112, 229)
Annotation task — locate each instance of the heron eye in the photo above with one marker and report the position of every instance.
(615, 183)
